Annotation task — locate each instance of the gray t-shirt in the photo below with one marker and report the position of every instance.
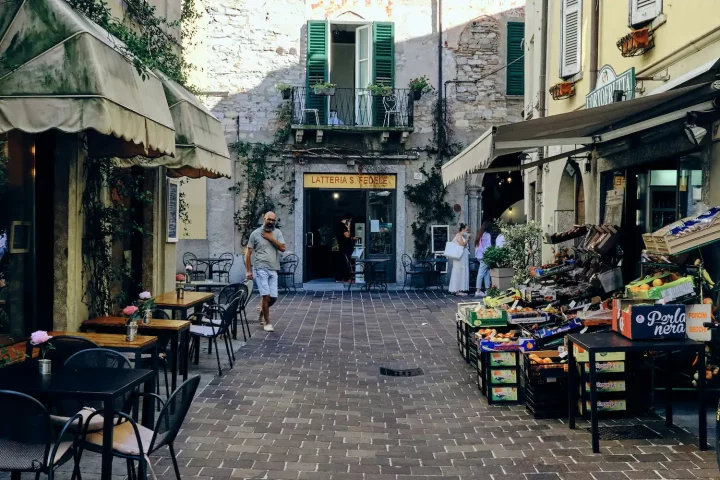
(265, 255)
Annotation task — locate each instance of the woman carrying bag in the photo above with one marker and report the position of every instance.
(460, 275)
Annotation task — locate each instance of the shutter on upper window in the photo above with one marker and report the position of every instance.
(317, 66)
(383, 63)
(642, 11)
(515, 64)
(571, 35)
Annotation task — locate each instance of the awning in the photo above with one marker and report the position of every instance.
(60, 70)
(200, 146)
(583, 127)
(703, 74)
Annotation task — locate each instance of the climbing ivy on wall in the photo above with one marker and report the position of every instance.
(429, 195)
(109, 200)
(262, 170)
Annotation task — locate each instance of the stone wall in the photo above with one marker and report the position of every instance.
(249, 47)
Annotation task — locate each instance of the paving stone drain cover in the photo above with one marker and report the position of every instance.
(406, 372)
(627, 432)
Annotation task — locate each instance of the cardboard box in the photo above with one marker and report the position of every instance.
(648, 322)
(696, 316)
(503, 376)
(504, 394)
(608, 386)
(503, 359)
(582, 356)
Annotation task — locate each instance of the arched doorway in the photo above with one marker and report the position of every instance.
(579, 201)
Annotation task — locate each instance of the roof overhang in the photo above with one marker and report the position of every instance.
(583, 127)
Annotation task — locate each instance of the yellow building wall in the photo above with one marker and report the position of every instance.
(195, 191)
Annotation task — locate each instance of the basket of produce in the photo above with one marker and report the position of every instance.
(661, 286)
(685, 234)
(503, 298)
(486, 317)
(526, 315)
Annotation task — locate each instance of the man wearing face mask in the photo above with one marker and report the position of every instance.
(263, 253)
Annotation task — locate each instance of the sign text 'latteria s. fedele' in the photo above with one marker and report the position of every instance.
(346, 181)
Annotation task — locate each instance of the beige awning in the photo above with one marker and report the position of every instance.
(584, 127)
(60, 70)
(200, 146)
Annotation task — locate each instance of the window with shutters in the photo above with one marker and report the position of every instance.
(643, 11)
(515, 59)
(571, 37)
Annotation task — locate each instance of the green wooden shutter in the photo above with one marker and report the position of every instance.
(516, 71)
(317, 68)
(383, 64)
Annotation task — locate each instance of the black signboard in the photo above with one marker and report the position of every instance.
(440, 236)
(172, 210)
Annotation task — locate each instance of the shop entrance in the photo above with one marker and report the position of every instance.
(373, 224)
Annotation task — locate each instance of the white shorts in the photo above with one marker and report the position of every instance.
(267, 281)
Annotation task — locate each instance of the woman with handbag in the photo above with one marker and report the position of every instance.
(460, 275)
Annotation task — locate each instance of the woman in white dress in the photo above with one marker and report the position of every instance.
(460, 275)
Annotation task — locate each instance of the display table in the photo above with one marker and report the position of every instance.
(595, 343)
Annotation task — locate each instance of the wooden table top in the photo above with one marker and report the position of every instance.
(155, 323)
(170, 300)
(111, 340)
(15, 353)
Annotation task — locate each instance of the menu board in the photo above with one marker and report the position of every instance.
(440, 236)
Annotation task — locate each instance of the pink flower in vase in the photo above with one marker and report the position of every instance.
(39, 337)
(130, 310)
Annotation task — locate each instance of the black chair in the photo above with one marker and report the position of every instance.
(226, 295)
(198, 269)
(65, 346)
(353, 271)
(411, 270)
(88, 359)
(136, 443)
(222, 268)
(28, 442)
(206, 326)
(286, 275)
(164, 351)
(382, 269)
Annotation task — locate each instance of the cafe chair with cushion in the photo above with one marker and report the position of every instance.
(88, 359)
(28, 442)
(65, 346)
(136, 443)
(206, 326)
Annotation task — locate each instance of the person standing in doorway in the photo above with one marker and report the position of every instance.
(346, 246)
(483, 240)
(262, 261)
(460, 275)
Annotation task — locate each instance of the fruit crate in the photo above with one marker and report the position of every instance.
(534, 369)
(499, 377)
(475, 319)
(611, 404)
(664, 242)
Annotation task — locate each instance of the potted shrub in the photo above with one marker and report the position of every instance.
(419, 86)
(498, 259)
(325, 89)
(284, 89)
(380, 90)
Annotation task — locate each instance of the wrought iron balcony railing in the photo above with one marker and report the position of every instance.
(353, 107)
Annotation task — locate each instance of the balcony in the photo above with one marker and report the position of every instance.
(352, 110)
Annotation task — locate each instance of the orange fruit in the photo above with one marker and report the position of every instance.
(658, 283)
(644, 287)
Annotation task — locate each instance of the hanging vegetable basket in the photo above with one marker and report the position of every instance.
(562, 90)
(636, 43)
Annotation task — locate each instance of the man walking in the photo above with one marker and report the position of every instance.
(266, 243)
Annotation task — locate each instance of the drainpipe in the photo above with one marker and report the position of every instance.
(594, 41)
(439, 113)
(543, 59)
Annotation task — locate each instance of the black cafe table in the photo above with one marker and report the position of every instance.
(432, 274)
(369, 272)
(595, 343)
(104, 385)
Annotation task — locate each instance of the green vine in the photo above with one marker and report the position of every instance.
(109, 200)
(260, 173)
(429, 195)
(183, 206)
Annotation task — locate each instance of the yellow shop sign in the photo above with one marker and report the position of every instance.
(347, 180)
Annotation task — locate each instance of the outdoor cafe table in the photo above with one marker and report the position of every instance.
(210, 262)
(433, 273)
(595, 343)
(101, 384)
(178, 330)
(199, 285)
(169, 301)
(370, 276)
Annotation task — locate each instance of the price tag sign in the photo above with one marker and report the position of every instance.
(677, 291)
(572, 304)
(515, 304)
(562, 350)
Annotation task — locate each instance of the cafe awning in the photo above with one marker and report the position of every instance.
(200, 146)
(584, 127)
(59, 70)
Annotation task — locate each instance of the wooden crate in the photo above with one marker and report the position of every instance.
(671, 245)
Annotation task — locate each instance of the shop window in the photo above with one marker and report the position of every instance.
(571, 36)
(643, 11)
(515, 64)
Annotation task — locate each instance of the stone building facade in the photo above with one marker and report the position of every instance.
(246, 48)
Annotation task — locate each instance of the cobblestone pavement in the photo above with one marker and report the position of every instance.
(307, 402)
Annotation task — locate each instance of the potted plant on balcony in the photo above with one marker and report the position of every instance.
(285, 89)
(419, 86)
(325, 89)
(498, 259)
(380, 90)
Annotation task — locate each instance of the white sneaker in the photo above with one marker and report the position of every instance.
(480, 294)
(268, 328)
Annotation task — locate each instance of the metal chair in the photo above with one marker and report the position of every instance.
(287, 272)
(352, 271)
(410, 270)
(223, 267)
(391, 108)
(381, 269)
(136, 443)
(65, 346)
(198, 269)
(88, 359)
(205, 327)
(28, 442)
(227, 295)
